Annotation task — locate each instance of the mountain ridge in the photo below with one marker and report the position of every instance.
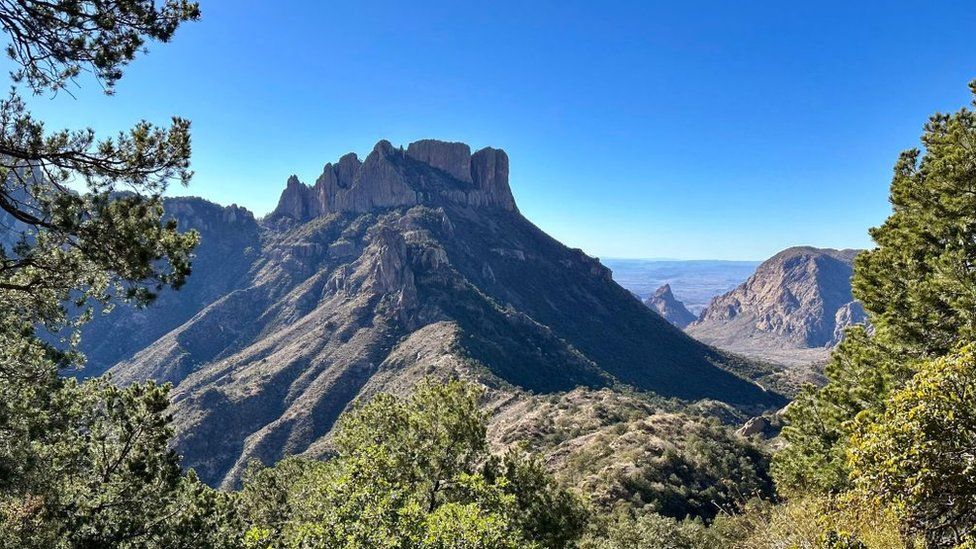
(381, 181)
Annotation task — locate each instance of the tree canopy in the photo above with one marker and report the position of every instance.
(412, 472)
(87, 464)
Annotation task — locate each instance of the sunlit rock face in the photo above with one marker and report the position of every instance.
(668, 306)
(428, 172)
(797, 301)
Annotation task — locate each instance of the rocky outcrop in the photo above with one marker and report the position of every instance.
(296, 201)
(847, 315)
(767, 426)
(800, 299)
(334, 179)
(755, 426)
(489, 170)
(668, 306)
(453, 158)
(429, 172)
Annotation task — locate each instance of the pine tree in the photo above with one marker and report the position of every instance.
(918, 286)
(81, 226)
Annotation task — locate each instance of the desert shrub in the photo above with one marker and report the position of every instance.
(811, 521)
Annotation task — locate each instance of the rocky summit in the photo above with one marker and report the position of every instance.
(411, 263)
(668, 306)
(427, 172)
(792, 310)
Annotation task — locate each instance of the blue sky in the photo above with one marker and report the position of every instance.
(723, 130)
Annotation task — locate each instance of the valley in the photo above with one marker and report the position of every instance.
(695, 282)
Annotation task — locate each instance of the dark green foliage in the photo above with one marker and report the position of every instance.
(649, 531)
(639, 452)
(53, 42)
(711, 471)
(916, 287)
(266, 498)
(411, 472)
(60, 245)
(548, 514)
(840, 540)
(674, 465)
(87, 465)
(862, 371)
(917, 284)
(919, 455)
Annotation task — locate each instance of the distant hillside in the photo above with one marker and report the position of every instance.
(793, 309)
(666, 305)
(409, 263)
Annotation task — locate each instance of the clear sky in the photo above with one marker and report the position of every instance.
(722, 130)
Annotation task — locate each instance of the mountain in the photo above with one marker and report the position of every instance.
(409, 263)
(10, 230)
(620, 448)
(666, 305)
(792, 310)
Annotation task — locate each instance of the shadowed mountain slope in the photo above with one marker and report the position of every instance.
(229, 244)
(406, 264)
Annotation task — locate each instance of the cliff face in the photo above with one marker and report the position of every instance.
(668, 306)
(800, 299)
(427, 172)
(385, 272)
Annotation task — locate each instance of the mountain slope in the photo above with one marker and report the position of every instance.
(229, 243)
(409, 263)
(668, 306)
(792, 310)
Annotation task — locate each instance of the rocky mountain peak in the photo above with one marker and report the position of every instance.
(347, 168)
(294, 201)
(423, 274)
(668, 306)
(489, 171)
(428, 172)
(192, 212)
(798, 299)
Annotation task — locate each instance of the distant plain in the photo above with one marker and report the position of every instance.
(693, 282)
